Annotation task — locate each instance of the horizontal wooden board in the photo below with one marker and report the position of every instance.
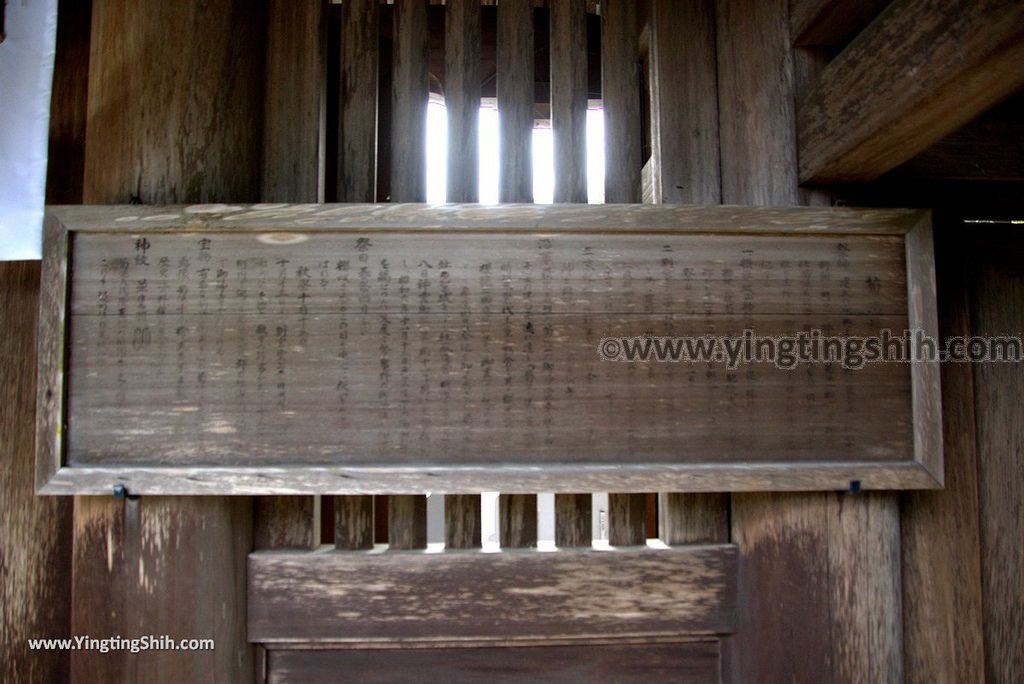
(689, 661)
(476, 597)
(354, 354)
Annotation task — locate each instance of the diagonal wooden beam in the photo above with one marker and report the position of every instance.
(832, 23)
(921, 70)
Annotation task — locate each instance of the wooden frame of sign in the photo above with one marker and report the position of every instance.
(274, 349)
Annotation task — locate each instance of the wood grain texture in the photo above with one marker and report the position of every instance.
(997, 293)
(353, 522)
(407, 522)
(357, 94)
(35, 533)
(627, 519)
(920, 71)
(620, 91)
(294, 106)
(409, 95)
(755, 102)
(515, 79)
(517, 521)
(941, 557)
(569, 99)
(832, 23)
(684, 103)
(573, 526)
(285, 522)
(149, 88)
(462, 521)
(693, 518)
(68, 103)
(679, 662)
(473, 596)
(462, 97)
(129, 553)
(821, 571)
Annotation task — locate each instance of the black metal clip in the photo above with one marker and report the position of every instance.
(121, 492)
(854, 487)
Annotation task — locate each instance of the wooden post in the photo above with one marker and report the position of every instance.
(409, 95)
(462, 97)
(175, 103)
(620, 90)
(573, 520)
(357, 94)
(569, 99)
(821, 568)
(515, 100)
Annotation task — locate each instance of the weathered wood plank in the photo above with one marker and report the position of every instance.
(941, 558)
(569, 99)
(997, 293)
(627, 519)
(517, 521)
(919, 72)
(573, 520)
(293, 125)
(353, 522)
(409, 93)
(35, 533)
(462, 97)
(68, 102)
(515, 100)
(462, 521)
(489, 596)
(357, 94)
(684, 103)
(695, 661)
(407, 522)
(832, 23)
(285, 522)
(620, 91)
(506, 218)
(693, 518)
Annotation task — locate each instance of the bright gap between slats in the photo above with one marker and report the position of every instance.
(489, 149)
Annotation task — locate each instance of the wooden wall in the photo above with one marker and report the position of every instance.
(834, 587)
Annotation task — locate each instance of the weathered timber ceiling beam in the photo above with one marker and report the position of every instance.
(920, 71)
(831, 23)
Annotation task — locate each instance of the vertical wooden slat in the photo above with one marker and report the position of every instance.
(627, 519)
(35, 531)
(285, 522)
(693, 518)
(293, 130)
(820, 568)
(942, 603)
(357, 95)
(569, 99)
(515, 80)
(573, 520)
(620, 91)
(293, 171)
(684, 102)
(353, 522)
(175, 103)
(68, 101)
(409, 94)
(997, 293)
(462, 521)
(462, 97)
(517, 520)
(407, 521)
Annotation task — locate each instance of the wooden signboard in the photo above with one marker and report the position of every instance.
(460, 348)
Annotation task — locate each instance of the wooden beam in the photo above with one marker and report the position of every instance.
(517, 520)
(285, 522)
(462, 521)
(515, 79)
(357, 95)
(409, 94)
(573, 520)
(919, 72)
(349, 597)
(627, 519)
(831, 23)
(462, 97)
(569, 99)
(407, 521)
(353, 522)
(620, 88)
